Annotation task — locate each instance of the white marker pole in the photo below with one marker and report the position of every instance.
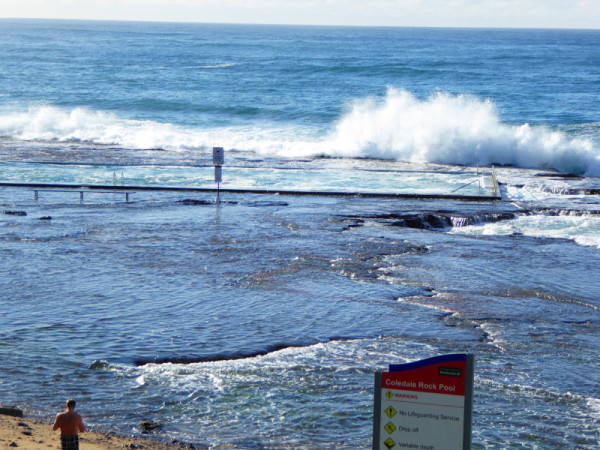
(218, 161)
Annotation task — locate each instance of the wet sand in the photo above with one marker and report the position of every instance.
(25, 433)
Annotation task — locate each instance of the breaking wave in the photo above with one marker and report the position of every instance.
(443, 128)
(456, 129)
(50, 123)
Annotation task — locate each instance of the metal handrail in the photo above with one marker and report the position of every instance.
(464, 186)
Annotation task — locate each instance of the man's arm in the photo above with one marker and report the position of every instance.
(56, 425)
(80, 424)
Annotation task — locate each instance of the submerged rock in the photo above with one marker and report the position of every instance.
(426, 222)
(11, 411)
(147, 426)
(99, 365)
(433, 220)
(263, 203)
(189, 201)
(194, 202)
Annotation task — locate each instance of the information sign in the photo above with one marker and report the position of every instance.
(425, 404)
(218, 156)
(218, 161)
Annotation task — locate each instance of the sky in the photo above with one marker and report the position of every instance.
(420, 13)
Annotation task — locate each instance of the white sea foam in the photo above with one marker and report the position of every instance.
(213, 66)
(585, 230)
(455, 129)
(444, 128)
(80, 124)
(51, 123)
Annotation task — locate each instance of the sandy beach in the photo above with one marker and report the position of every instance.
(25, 433)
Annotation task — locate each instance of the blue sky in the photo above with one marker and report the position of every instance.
(432, 13)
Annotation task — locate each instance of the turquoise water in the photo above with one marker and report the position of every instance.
(259, 321)
(393, 179)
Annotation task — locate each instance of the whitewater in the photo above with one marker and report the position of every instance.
(257, 320)
(442, 129)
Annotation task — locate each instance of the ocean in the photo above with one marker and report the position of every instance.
(257, 320)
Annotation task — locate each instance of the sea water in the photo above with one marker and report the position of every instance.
(258, 321)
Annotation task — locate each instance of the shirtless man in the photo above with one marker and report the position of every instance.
(70, 423)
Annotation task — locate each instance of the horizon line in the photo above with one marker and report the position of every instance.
(308, 25)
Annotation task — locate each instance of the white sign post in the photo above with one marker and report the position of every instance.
(218, 161)
(425, 405)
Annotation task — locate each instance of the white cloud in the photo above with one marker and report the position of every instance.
(451, 13)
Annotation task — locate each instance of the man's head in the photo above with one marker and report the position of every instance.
(71, 404)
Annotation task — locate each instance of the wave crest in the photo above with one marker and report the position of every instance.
(455, 129)
(50, 123)
(443, 128)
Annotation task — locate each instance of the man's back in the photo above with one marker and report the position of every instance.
(69, 422)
